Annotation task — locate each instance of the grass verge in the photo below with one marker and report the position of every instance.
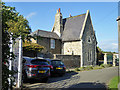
(113, 83)
(92, 67)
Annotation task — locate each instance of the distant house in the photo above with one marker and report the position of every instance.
(71, 36)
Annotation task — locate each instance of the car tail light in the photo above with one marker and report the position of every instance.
(31, 74)
(64, 67)
(32, 66)
(51, 66)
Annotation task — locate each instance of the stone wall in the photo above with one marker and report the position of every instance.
(47, 44)
(89, 44)
(72, 48)
(70, 61)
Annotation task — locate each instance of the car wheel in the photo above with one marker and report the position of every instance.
(62, 74)
(24, 78)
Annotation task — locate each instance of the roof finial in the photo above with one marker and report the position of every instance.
(59, 9)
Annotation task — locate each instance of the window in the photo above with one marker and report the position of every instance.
(93, 37)
(89, 40)
(89, 55)
(52, 44)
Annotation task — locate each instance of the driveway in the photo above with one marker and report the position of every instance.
(84, 79)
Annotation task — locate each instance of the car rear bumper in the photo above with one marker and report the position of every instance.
(58, 71)
(37, 76)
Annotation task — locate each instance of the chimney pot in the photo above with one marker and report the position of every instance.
(59, 9)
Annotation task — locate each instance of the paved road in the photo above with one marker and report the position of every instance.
(85, 79)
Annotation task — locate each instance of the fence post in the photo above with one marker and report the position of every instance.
(20, 63)
(105, 58)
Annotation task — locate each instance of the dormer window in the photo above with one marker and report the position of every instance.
(52, 43)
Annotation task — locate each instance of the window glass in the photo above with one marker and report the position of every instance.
(57, 63)
(39, 62)
(52, 44)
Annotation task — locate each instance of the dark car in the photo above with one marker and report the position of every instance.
(36, 68)
(58, 67)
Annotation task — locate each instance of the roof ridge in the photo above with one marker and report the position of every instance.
(75, 16)
(43, 30)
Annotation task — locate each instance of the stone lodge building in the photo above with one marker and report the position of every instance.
(70, 36)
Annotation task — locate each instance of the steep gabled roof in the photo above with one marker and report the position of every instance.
(72, 27)
(46, 34)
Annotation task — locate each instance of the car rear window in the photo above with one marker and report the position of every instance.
(56, 63)
(39, 62)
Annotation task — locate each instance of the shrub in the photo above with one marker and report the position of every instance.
(110, 65)
(106, 65)
(102, 65)
(97, 67)
(82, 68)
(88, 68)
(77, 69)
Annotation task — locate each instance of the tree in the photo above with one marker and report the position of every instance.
(100, 55)
(14, 23)
(32, 47)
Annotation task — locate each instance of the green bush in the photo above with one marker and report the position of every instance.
(77, 69)
(110, 65)
(97, 67)
(102, 65)
(106, 65)
(88, 68)
(82, 68)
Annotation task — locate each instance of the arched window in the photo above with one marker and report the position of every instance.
(89, 40)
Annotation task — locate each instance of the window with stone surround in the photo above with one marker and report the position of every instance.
(89, 39)
(89, 55)
(52, 43)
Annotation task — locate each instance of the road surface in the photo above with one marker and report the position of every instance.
(84, 79)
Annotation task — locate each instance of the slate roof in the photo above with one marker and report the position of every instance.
(72, 27)
(46, 34)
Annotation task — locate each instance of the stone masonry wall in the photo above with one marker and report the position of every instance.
(72, 48)
(70, 61)
(47, 44)
(89, 48)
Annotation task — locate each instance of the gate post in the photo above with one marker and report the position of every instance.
(20, 63)
(105, 58)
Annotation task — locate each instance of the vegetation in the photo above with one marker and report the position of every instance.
(77, 69)
(93, 67)
(100, 55)
(113, 84)
(16, 24)
(34, 47)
